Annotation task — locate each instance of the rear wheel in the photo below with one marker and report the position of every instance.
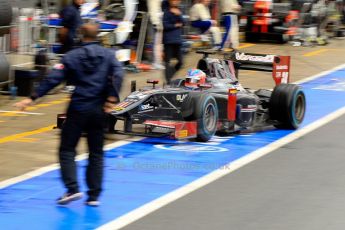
(206, 114)
(252, 37)
(287, 106)
(5, 12)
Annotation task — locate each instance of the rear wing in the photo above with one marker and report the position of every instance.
(278, 65)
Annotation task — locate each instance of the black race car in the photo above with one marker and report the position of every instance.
(218, 105)
(276, 20)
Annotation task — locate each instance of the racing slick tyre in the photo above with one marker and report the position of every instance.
(206, 114)
(4, 68)
(5, 12)
(287, 106)
(252, 37)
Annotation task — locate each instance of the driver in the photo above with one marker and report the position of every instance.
(194, 78)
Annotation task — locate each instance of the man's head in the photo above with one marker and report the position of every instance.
(78, 2)
(89, 32)
(174, 3)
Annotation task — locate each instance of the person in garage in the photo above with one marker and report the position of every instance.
(200, 18)
(71, 21)
(172, 38)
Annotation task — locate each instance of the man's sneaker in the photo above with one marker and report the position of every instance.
(92, 202)
(68, 197)
(158, 66)
(68, 89)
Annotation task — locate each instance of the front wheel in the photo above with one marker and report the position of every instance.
(287, 106)
(206, 114)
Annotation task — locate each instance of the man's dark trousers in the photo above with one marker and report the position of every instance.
(77, 122)
(172, 51)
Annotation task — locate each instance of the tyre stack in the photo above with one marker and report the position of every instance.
(5, 20)
(4, 68)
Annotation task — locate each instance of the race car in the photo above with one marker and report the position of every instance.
(211, 100)
(270, 20)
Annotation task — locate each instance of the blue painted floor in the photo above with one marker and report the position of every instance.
(140, 172)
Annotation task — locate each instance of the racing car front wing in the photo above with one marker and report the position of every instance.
(176, 129)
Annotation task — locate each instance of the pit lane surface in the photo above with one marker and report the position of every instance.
(19, 204)
(299, 186)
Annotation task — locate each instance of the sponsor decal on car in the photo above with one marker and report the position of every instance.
(160, 129)
(145, 108)
(181, 97)
(283, 75)
(141, 94)
(249, 109)
(282, 67)
(247, 57)
(182, 133)
(123, 105)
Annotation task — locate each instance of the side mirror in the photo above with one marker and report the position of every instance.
(153, 82)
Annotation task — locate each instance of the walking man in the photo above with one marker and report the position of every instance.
(97, 76)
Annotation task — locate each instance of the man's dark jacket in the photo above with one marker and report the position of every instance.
(171, 33)
(93, 70)
(71, 20)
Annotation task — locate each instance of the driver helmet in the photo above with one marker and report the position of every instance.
(194, 78)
